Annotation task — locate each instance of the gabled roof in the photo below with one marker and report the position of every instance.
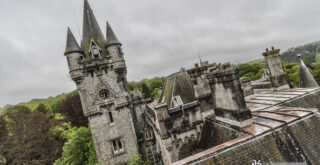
(111, 37)
(91, 29)
(72, 44)
(306, 79)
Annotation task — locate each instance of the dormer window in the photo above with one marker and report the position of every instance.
(95, 51)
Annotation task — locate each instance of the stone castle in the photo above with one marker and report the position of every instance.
(205, 114)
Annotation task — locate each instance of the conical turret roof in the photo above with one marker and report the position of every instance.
(111, 37)
(91, 30)
(137, 95)
(306, 79)
(72, 44)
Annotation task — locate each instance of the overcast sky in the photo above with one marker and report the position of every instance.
(158, 37)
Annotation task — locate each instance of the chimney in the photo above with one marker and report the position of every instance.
(228, 99)
(278, 77)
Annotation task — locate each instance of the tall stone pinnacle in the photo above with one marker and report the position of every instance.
(306, 79)
(72, 44)
(137, 95)
(91, 29)
(111, 37)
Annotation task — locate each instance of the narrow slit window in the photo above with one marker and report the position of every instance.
(110, 116)
(115, 147)
(119, 144)
(91, 72)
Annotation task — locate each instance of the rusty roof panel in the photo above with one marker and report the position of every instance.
(255, 129)
(267, 122)
(274, 116)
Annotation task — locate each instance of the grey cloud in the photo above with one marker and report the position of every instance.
(158, 37)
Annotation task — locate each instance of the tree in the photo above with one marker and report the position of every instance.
(136, 159)
(78, 149)
(29, 137)
(145, 90)
(252, 71)
(71, 108)
(42, 108)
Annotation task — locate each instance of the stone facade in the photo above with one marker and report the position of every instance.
(199, 108)
(99, 71)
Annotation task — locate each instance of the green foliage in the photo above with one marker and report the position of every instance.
(50, 102)
(316, 71)
(251, 70)
(309, 53)
(71, 108)
(153, 86)
(27, 136)
(137, 160)
(292, 70)
(78, 149)
(145, 90)
(42, 108)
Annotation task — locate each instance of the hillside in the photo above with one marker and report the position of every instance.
(49, 102)
(310, 53)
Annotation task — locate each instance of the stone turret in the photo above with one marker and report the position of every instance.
(99, 71)
(228, 99)
(306, 79)
(278, 77)
(74, 56)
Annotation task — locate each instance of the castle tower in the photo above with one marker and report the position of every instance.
(306, 79)
(228, 99)
(99, 71)
(278, 77)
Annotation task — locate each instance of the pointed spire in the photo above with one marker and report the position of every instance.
(72, 44)
(91, 29)
(305, 77)
(136, 94)
(111, 37)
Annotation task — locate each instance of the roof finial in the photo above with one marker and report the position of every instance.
(199, 57)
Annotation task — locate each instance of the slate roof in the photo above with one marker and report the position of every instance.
(111, 36)
(269, 139)
(72, 44)
(178, 84)
(91, 29)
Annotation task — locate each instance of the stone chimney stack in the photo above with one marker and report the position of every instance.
(278, 77)
(228, 99)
